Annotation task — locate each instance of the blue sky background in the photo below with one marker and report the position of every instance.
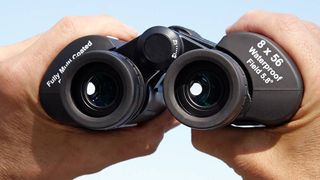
(175, 157)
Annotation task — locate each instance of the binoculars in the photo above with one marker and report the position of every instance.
(101, 83)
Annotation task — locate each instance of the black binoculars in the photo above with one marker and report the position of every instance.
(101, 83)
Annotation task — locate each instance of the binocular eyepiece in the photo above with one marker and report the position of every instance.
(103, 83)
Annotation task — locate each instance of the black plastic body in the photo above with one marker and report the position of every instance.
(142, 79)
(263, 85)
(266, 87)
(276, 97)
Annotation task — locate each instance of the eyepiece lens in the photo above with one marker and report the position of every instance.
(196, 88)
(91, 89)
(205, 88)
(202, 88)
(101, 90)
(97, 89)
(210, 86)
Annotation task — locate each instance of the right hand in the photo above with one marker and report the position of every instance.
(291, 151)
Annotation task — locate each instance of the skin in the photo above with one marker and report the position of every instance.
(34, 146)
(292, 150)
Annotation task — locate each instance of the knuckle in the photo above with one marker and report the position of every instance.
(149, 149)
(109, 18)
(288, 22)
(151, 144)
(68, 25)
(290, 17)
(247, 18)
(311, 24)
(251, 13)
(314, 28)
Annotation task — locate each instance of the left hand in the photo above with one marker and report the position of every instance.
(34, 146)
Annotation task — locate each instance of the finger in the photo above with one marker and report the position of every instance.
(313, 28)
(228, 143)
(292, 35)
(147, 136)
(128, 143)
(163, 123)
(151, 130)
(68, 29)
(6, 52)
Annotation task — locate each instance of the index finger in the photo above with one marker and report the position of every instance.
(46, 48)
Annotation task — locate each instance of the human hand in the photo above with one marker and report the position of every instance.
(33, 146)
(291, 151)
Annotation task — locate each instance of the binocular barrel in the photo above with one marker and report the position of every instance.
(102, 83)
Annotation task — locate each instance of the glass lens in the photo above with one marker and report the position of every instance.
(210, 86)
(202, 88)
(101, 90)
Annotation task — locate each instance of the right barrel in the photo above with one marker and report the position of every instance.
(247, 80)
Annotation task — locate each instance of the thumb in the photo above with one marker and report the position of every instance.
(228, 143)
